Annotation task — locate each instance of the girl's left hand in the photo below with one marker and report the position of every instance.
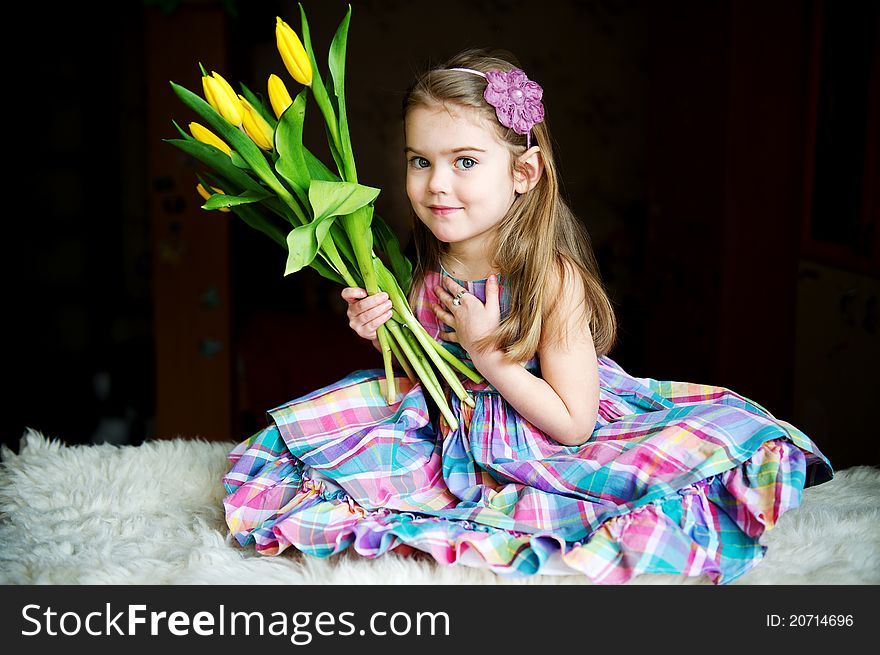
(472, 319)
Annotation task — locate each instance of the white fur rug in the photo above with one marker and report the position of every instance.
(153, 514)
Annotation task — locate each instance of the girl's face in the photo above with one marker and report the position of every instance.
(458, 175)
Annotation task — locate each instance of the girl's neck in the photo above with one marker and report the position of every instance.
(466, 268)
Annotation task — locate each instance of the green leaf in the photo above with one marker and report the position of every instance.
(336, 62)
(218, 160)
(303, 243)
(291, 164)
(338, 157)
(238, 162)
(317, 169)
(326, 271)
(357, 227)
(218, 200)
(390, 245)
(186, 135)
(257, 220)
(339, 198)
(250, 214)
(319, 90)
(329, 200)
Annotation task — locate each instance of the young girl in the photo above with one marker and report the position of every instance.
(566, 463)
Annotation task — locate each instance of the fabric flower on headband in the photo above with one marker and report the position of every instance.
(517, 100)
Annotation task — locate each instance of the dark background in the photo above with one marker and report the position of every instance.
(723, 156)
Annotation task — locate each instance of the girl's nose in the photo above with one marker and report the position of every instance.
(438, 182)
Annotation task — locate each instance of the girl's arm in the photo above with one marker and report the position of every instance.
(565, 403)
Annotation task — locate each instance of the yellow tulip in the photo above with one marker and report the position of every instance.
(203, 134)
(222, 98)
(292, 53)
(255, 126)
(204, 194)
(278, 95)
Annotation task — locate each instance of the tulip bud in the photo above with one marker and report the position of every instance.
(203, 134)
(222, 98)
(292, 53)
(255, 126)
(204, 194)
(279, 98)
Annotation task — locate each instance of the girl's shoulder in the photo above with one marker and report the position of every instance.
(564, 280)
(567, 305)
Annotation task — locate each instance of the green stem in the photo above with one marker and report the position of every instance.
(398, 353)
(385, 344)
(323, 100)
(424, 339)
(336, 261)
(389, 284)
(456, 363)
(337, 234)
(426, 375)
(427, 343)
(357, 226)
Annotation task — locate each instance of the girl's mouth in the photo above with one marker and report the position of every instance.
(443, 211)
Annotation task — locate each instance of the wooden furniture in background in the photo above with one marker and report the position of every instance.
(837, 342)
(725, 146)
(194, 384)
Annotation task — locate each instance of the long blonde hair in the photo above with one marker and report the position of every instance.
(538, 236)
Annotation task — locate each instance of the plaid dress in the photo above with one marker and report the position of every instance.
(677, 478)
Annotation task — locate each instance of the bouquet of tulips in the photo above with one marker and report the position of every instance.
(262, 172)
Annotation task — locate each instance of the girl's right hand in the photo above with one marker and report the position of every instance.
(365, 312)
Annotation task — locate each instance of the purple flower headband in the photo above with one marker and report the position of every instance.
(517, 100)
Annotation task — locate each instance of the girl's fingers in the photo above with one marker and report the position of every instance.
(366, 322)
(380, 320)
(368, 331)
(442, 294)
(365, 301)
(449, 336)
(453, 290)
(359, 302)
(350, 294)
(444, 316)
(376, 311)
(378, 299)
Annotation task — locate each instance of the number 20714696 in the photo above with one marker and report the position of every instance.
(809, 620)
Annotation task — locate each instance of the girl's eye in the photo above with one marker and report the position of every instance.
(418, 162)
(465, 163)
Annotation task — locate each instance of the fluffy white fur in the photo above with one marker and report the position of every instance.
(153, 514)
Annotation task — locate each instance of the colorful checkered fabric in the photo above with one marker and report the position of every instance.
(677, 478)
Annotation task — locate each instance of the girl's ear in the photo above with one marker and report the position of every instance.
(528, 170)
